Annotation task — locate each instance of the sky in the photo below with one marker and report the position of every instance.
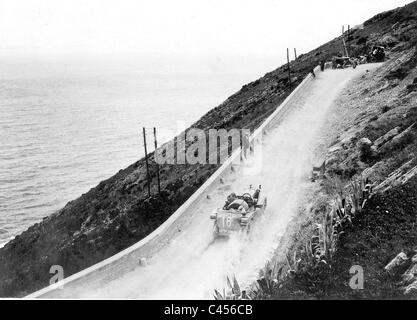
(218, 28)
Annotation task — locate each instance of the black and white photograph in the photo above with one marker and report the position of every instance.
(196, 151)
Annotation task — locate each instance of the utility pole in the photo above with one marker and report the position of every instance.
(348, 39)
(157, 165)
(295, 53)
(344, 42)
(289, 69)
(147, 163)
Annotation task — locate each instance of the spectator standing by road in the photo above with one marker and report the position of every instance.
(312, 72)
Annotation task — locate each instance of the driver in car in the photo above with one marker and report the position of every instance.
(230, 198)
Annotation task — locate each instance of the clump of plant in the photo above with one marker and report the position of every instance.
(293, 263)
(233, 291)
(268, 281)
(325, 238)
(364, 146)
(359, 191)
(343, 209)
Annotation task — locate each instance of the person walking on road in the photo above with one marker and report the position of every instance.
(312, 72)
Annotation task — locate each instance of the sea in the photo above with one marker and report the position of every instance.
(67, 123)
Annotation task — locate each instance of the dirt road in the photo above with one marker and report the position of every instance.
(189, 264)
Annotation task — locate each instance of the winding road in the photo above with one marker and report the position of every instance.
(182, 260)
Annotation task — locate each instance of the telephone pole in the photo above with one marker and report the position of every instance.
(289, 69)
(157, 165)
(147, 163)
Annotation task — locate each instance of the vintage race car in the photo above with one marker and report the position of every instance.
(238, 212)
(341, 62)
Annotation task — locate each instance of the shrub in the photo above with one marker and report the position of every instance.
(326, 238)
(234, 292)
(365, 151)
